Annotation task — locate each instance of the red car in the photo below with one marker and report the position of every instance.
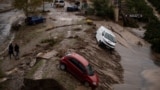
(80, 68)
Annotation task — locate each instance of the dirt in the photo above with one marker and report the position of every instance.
(69, 33)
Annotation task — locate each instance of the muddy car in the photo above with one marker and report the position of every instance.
(73, 8)
(105, 36)
(34, 20)
(79, 67)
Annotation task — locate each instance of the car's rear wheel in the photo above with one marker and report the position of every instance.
(62, 66)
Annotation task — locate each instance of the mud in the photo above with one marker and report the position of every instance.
(78, 38)
(43, 84)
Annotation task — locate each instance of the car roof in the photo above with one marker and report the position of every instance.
(80, 58)
(106, 30)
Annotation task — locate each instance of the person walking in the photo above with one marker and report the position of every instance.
(16, 49)
(10, 50)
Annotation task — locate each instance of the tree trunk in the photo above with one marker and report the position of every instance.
(43, 6)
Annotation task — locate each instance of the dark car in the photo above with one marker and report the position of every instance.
(34, 20)
(72, 8)
(79, 67)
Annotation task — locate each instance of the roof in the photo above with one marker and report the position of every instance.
(80, 58)
(107, 30)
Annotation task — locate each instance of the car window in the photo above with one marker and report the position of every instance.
(110, 37)
(77, 64)
(103, 33)
(89, 69)
(73, 61)
(81, 67)
(61, 1)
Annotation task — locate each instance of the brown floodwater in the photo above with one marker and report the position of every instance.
(140, 72)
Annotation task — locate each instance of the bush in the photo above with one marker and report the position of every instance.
(156, 4)
(140, 7)
(152, 34)
(90, 11)
(103, 9)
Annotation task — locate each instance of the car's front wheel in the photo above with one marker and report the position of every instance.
(99, 43)
(62, 66)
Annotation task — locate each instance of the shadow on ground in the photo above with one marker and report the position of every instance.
(42, 84)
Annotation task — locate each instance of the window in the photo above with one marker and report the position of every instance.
(110, 37)
(89, 70)
(78, 64)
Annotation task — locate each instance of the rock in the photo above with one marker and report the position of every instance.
(139, 43)
(47, 55)
(77, 28)
(32, 62)
(69, 34)
(11, 71)
(39, 55)
(3, 79)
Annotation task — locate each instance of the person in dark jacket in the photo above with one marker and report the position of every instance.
(16, 49)
(10, 50)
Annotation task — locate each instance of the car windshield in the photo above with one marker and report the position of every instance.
(110, 37)
(61, 1)
(89, 69)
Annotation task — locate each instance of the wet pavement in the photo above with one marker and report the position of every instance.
(138, 69)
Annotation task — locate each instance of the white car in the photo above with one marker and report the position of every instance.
(105, 36)
(59, 3)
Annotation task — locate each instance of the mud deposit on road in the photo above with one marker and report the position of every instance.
(82, 40)
(41, 51)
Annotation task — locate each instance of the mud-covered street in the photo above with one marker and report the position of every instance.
(39, 61)
(129, 67)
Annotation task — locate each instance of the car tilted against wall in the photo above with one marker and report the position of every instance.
(79, 67)
(106, 37)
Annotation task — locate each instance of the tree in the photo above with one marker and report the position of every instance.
(103, 8)
(29, 6)
(22, 5)
(44, 4)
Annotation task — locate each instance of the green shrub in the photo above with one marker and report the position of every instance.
(156, 4)
(140, 7)
(152, 34)
(90, 11)
(103, 9)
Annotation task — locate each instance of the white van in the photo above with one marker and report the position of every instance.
(59, 3)
(105, 36)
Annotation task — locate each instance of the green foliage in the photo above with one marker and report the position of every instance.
(103, 9)
(156, 4)
(90, 11)
(29, 5)
(152, 35)
(140, 7)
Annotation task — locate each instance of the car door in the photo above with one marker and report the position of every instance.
(76, 68)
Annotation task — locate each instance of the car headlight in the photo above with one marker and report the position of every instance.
(94, 83)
